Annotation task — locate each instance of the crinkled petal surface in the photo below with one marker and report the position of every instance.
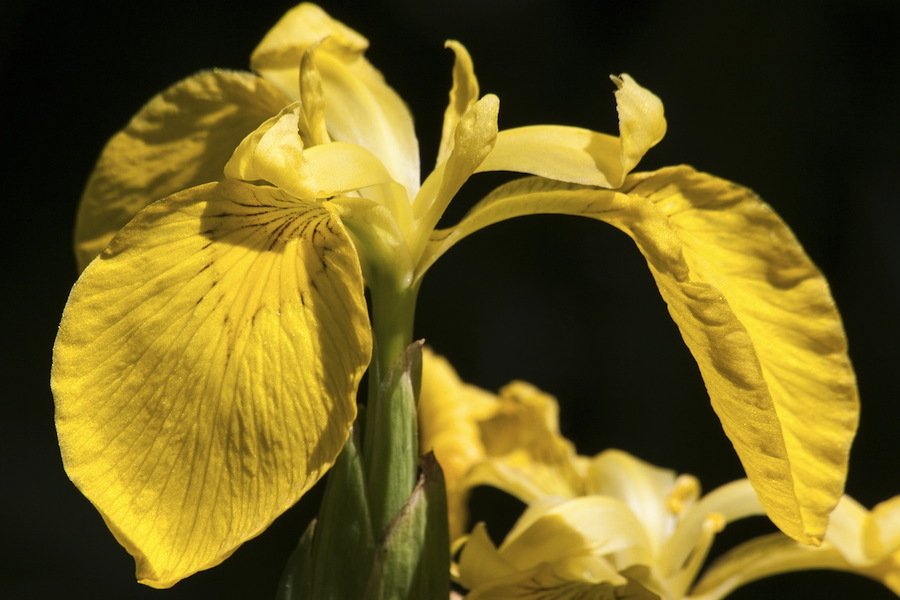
(206, 368)
(360, 108)
(183, 137)
(754, 311)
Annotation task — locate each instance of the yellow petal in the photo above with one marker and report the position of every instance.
(577, 578)
(479, 561)
(183, 137)
(735, 242)
(463, 95)
(360, 108)
(751, 307)
(449, 412)
(551, 531)
(274, 154)
(474, 138)
(205, 371)
(524, 453)
(582, 156)
(644, 488)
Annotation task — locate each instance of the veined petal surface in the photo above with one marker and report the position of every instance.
(183, 137)
(206, 368)
(752, 308)
(360, 108)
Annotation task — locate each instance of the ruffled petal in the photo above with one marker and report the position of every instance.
(183, 137)
(576, 155)
(360, 108)
(449, 413)
(752, 308)
(206, 369)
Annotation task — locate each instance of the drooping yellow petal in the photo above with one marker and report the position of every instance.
(734, 241)
(644, 488)
(360, 108)
(183, 137)
(576, 155)
(205, 371)
(463, 95)
(752, 308)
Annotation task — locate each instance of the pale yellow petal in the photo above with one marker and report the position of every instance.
(360, 108)
(463, 95)
(479, 561)
(205, 371)
(183, 137)
(585, 526)
(576, 155)
(474, 138)
(274, 154)
(644, 488)
(751, 307)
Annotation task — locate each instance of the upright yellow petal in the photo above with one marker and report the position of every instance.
(752, 308)
(577, 155)
(360, 108)
(183, 137)
(463, 95)
(205, 371)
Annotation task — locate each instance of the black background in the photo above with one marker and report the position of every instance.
(797, 100)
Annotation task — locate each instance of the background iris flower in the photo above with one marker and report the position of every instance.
(611, 525)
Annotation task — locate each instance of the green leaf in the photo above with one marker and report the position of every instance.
(392, 438)
(412, 560)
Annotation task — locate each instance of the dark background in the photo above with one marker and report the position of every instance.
(797, 100)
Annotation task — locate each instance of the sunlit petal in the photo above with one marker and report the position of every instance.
(576, 155)
(463, 95)
(205, 371)
(360, 108)
(751, 307)
(588, 525)
(183, 137)
(644, 488)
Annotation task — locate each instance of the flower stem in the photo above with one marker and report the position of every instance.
(390, 444)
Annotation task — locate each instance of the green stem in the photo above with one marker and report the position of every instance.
(390, 445)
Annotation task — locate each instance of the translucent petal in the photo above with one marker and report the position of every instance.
(643, 487)
(582, 156)
(205, 371)
(360, 108)
(584, 526)
(752, 308)
(183, 137)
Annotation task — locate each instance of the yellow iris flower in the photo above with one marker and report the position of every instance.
(207, 363)
(611, 525)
